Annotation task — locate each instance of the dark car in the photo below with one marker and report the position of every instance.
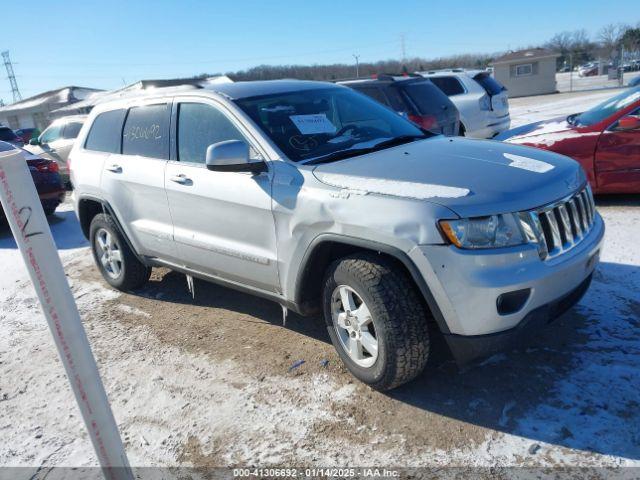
(414, 97)
(45, 177)
(26, 134)
(9, 136)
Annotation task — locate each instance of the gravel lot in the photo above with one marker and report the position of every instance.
(209, 382)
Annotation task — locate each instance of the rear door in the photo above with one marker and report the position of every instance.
(617, 159)
(133, 179)
(223, 224)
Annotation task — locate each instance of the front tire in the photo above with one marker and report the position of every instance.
(376, 320)
(115, 260)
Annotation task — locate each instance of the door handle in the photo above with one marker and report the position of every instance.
(115, 168)
(182, 179)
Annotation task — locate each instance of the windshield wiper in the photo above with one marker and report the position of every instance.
(353, 152)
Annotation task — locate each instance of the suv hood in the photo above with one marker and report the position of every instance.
(470, 177)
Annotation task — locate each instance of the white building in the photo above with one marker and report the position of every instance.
(36, 111)
(527, 72)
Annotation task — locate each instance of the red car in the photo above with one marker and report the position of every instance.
(45, 177)
(605, 140)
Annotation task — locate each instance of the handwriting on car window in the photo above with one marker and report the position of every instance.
(137, 132)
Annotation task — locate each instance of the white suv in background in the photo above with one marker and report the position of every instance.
(56, 141)
(481, 100)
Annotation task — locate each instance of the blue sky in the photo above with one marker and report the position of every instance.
(104, 44)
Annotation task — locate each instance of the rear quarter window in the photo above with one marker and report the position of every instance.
(449, 85)
(146, 132)
(105, 132)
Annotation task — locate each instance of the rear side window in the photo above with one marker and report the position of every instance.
(490, 84)
(105, 132)
(146, 132)
(71, 130)
(199, 126)
(375, 93)
(449, 85)
(428, 98)
(398, 102)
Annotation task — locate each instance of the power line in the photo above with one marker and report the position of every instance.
(12, 77)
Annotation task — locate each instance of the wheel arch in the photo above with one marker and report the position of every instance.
(326, 248)
(89, 207)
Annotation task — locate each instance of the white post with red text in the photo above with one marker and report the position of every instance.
(29, 226)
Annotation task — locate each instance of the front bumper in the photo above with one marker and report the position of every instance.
(466, 349)
(466, 284)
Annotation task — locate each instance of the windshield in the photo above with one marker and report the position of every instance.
(606, 108)
(323, 122)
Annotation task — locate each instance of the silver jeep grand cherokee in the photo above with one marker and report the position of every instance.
(320, 198)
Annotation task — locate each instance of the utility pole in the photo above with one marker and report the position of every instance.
(571, 72)
(357, 57)
(11, 76)
(403, 48)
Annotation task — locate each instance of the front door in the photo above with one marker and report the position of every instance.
(617, 159)
(223, 224)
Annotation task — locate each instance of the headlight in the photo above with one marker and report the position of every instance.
(484, 232)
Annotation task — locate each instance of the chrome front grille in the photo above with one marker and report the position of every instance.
(560, 226)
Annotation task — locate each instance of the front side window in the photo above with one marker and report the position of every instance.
(105, 132)
(146, 132)
(449, 85)
(315, 123)
(201, 125)
(71, 130)
(51, 134)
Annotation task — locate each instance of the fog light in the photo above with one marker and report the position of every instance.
(511, 302)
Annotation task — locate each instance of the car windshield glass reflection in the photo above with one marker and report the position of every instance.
(606, 108)
(320, 123)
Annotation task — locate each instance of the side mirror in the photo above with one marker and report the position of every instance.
(630, 122)
(232, 156)
(34, 141)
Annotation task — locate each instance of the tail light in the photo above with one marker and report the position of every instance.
(424, 121)
(44, 166)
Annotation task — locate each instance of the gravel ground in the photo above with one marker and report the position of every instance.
(212, 381)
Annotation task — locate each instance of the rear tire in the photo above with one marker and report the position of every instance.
(115, 260)
(462, 131)
(392, 332)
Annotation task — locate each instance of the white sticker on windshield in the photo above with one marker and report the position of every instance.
(312, 124)
(530, 164)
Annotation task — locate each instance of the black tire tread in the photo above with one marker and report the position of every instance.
(399, 306)
(136, 274)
